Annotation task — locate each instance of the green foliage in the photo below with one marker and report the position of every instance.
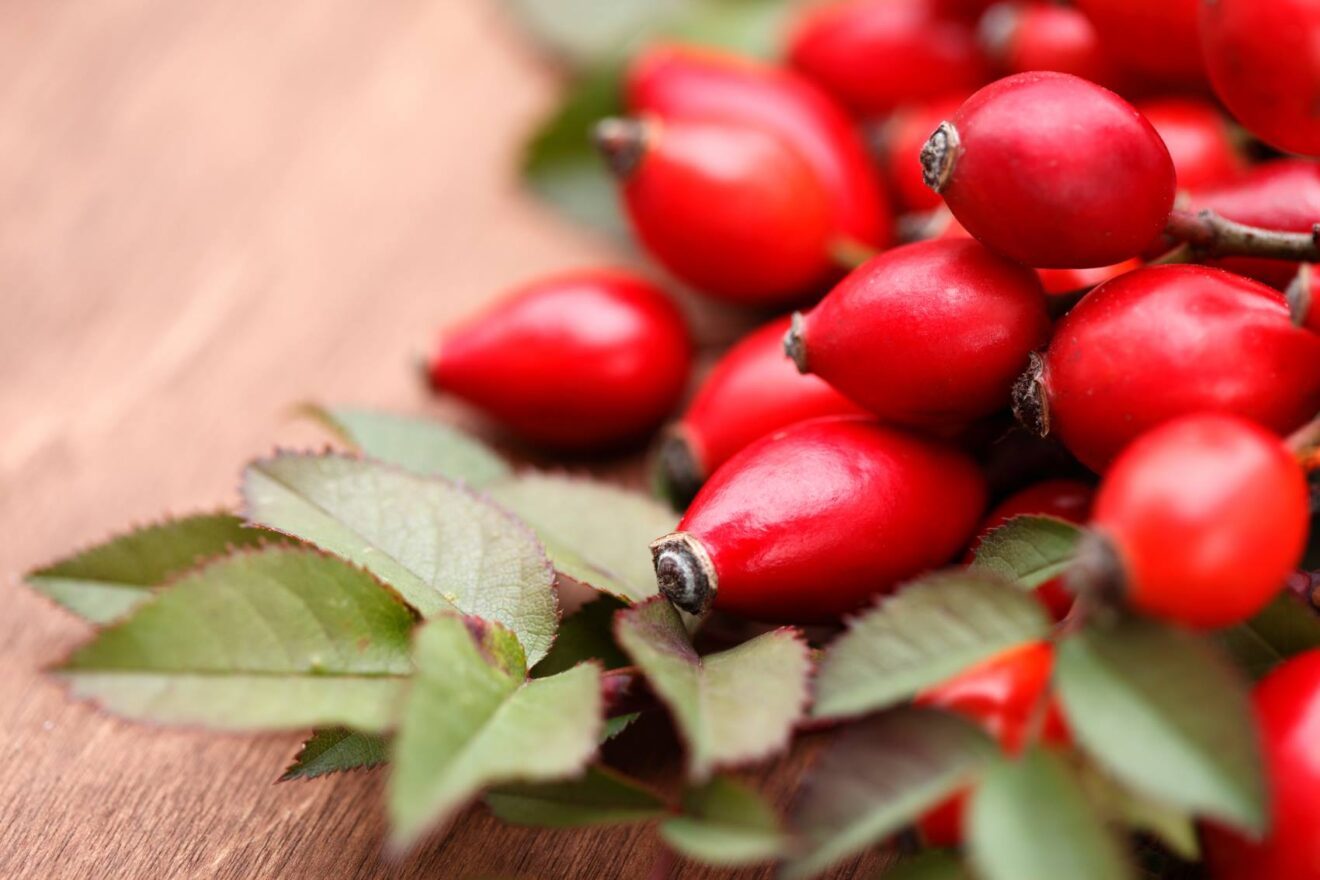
(926, 633)
(1167, 715)
(930, 865)
(336, 749)
(1284, 628)
(586, 634)
(733, 707)
(441, 546)
(1029, 550)
(725, 823)
(1030, 817)
(601, 797)
(105, 582)
(419, 445)
(270, 639)
(472, 720)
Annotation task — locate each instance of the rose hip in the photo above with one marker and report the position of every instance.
(752, 391)
(811, 522)
(1156, 41)
(877, 54)
(1165, 341)
(930, 334)
(904, 135)
(1053, 171)
(582, 360)
(1021, 37)
(1198, 139)
(1204, 517)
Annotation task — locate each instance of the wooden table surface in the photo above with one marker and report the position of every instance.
(209, 212)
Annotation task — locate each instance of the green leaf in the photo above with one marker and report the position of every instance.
(333, 750)
(926, 633)
(1284, 628)
(275, 638)
(725, 823)
(1171, 826)
(1028, 550)
(1167, 715)
(601, 797)
(441, 546)
(471, 721)
(105, 582)
(419, 445)
(930, 865)
(733, 707)
(881, 774)
(594, 533)
(581, 31)
(586, 634)
(1030, 817)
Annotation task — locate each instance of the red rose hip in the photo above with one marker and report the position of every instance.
(929, 334)
(812, 522)
(582, 360)
(1053, 171)
(877, 54)
(752, 391)
(1287, 709)
(1200, 521)
(1166, 341)
(1264, 62)
(1025, 36)
(1198, 139)
(904, 134)
(1155, 41)
(733, 210)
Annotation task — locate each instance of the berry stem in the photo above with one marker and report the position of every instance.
(1211, 235)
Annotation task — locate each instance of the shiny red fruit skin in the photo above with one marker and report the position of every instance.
(905, 133)
(1198, 139)
(1057, 172)
(1165, 341)
(1154, 40)
(750, 392)
(1058, 281)
(580, 361)
(1037, 36)
(1287, 709)
(930, 334)
(1283, 194)
(1001, 695)
(732, 210)
(811, 522)
(1208, 515)
(673, 81)
(1264, 63)
(877, 54)
(1068, 500)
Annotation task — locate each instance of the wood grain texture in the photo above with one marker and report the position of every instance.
(209, 212)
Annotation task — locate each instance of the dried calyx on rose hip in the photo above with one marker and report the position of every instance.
(1166, 341)
(1263, 63)
(1287, 711)
(1304, 298)
(877, 54)
(811, 522)
(901, 138)
(580, 361)
(1200, 521)
(1053, 171)
(751, 391)
(1002, 695)
(930, 334)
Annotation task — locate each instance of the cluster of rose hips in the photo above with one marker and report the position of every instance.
(831, 454)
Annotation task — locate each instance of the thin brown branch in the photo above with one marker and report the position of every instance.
(1210, 235)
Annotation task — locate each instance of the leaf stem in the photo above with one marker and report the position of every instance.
(1210, 235)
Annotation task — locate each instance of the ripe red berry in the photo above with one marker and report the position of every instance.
(929, 334)
(1003, 695)
(1283, 195)
(1053, 171)
(904, 134)
(1198, 139)
(752, 391)
(1022, 36)
(679, 82)
(811, 522)
(1059, 281)
(877, 54)
(1154, 40)
(733, 210)
(1205, 517)
(582, 360)
(1287, 709)
(1264, 64)
(1165, 341)
(1068, 500)
(1304, 298)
